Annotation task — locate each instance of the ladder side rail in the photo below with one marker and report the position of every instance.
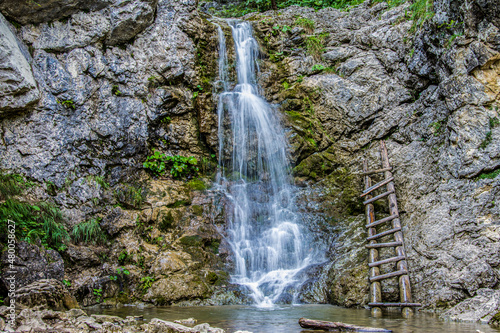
(375, 286)
(404, 280)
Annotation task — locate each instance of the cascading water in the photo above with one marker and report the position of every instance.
(264, 231)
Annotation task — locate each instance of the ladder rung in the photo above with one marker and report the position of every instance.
(395, 304)
(385, 219)
(376, 186)
(388, 275)
(385, 233)
(377, 245)
(386, 261)
(366, 173)
(380, 196)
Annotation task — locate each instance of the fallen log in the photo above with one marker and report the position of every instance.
(336, 326)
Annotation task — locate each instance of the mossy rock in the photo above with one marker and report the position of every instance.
(194, 240)
(495, 320)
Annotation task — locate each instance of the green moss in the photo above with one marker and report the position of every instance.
(197, 210)
(179, 203)
(196, 185)
(166, 222)
(212, 277)
(191, 240)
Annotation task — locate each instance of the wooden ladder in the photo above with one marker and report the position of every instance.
(398, 244)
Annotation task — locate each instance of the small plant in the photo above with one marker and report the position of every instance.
(438, 127)
(305, 23)
(113, 277)
(122, 270)
(492, 123)
(278, 56)
(166, 120)
(315, 45)
(69, 104)
(89, 232)
(99, 180)
(180, 165)
(147, 282)
(286, 28)
(488, 175)
(98, 294)
(317, 68)
(421, 12)
(198, 90)
(115, 91)
(122, 257)
(66, 283)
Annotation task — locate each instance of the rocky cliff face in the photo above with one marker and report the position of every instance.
(89, 89)
(344, 81)
(92, 95)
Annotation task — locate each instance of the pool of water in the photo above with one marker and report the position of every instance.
(284, 318)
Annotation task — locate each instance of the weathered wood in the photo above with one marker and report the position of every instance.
(404, 280)
(375, 287)
(385, 219)
(394, 304)
(367, 173)
(386, 261)
(337, 326)
(382, 234)
(376, 186)
(388, 275)
(380, 196)
(379, 245)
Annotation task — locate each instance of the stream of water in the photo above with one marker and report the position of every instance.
(284, 318)
(270, 248)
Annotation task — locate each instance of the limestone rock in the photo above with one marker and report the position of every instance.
(45, 11)
(174, 288)
(34, 263)
(480, 308)
(18, 89)
(46, 294)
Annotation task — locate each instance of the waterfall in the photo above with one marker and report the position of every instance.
(264, 229)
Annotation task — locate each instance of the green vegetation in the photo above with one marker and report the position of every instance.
(99, 180)
(166, 120)
(315, 45)
(67, 283)
(115, 91)
(122, 270)
(69, 104)
(421, 12)
(123, 257)
(129, 195)
(488, 175)
(493, 122)
(305, 23)
(166, 222)
(89, 232)
(197, 184)
(180, 166)
(98, 294)
(438, 127)
(147, 282)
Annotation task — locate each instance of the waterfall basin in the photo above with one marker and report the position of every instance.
(284, 318)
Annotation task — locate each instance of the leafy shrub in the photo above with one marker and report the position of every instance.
(89, 232)
(180, 166)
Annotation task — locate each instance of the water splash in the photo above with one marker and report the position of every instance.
(265, 235)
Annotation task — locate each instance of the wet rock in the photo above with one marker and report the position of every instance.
(174, 288)
(480, 308)
(46, 294)
(33, 263)
(18, 89)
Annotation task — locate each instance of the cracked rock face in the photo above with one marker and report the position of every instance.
(18, 89)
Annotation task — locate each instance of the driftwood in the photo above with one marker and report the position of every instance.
(336, 326)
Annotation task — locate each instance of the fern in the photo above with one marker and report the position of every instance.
(89, 232)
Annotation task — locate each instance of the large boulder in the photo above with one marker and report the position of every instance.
(33, 263)
(47, 294)
(481, 308)
(18, 89)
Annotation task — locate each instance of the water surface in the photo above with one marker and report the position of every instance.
(284, 319)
